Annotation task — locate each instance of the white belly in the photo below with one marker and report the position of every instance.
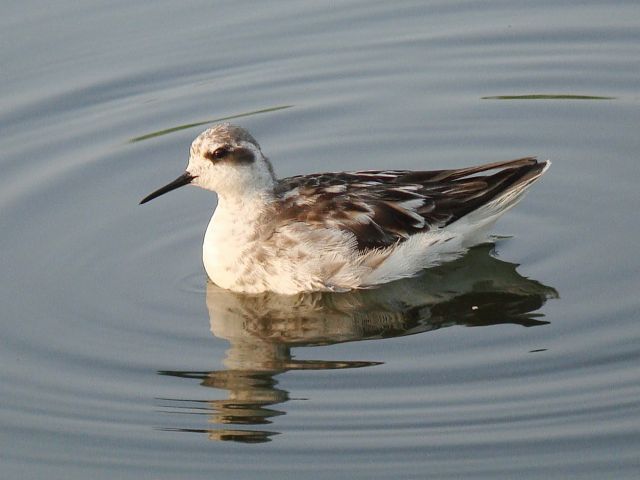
(298, 258)
(286, 262)
(224, 254)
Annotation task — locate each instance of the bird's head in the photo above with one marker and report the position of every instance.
(225, 159)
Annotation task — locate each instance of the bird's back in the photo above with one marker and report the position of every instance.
(386, 207)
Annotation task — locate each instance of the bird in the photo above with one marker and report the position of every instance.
(338, 231)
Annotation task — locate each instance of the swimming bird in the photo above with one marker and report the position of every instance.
(338, 231)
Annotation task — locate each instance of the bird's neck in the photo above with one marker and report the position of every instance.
(231, 236)
(242, 213)
(248, 202)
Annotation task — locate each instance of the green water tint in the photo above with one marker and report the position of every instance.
(166, 131)
(547, 97)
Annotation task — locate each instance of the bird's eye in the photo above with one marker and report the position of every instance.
(218, 153)
(221, 152)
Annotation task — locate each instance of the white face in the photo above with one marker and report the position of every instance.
(227, 160)
(228, 164)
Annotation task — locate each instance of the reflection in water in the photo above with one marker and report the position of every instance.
(476, 290)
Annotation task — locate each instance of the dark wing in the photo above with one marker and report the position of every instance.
(383, 207)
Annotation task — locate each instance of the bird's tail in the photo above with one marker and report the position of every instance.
(507, 189)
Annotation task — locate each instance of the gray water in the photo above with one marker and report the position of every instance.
(120, 361)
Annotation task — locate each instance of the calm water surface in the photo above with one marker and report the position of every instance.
(120, 361)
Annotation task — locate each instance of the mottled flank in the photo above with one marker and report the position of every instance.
(381, 208)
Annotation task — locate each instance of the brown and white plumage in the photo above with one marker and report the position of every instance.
(384, 207)
(339, 231)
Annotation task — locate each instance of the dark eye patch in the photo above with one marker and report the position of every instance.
(218, 154)
(243, 155)
(236, 155)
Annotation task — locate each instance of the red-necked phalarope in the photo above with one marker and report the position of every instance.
(338, 231)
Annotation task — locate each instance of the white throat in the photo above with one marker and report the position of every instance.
(232, 234)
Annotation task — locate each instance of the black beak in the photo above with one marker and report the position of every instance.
(182, 180)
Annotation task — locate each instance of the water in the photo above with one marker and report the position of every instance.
(119, 361)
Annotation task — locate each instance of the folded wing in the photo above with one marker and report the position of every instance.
(384, 207)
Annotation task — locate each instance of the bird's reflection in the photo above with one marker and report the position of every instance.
(476, 290)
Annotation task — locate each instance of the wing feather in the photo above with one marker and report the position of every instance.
(383, 207)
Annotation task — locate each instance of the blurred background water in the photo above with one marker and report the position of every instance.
(120, 361)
